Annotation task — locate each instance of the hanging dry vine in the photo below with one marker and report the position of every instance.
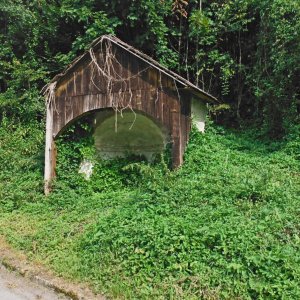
(49, 94)
(108, 71)
(179, 8)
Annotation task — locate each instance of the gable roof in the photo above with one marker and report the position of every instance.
(190, 87)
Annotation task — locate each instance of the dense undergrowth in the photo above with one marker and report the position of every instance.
(223, 226)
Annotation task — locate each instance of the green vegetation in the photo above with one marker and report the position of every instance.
(244, 52)
(226, 224)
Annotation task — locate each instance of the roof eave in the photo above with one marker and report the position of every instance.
(202, 95)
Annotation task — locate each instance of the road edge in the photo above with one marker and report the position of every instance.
(15, 261)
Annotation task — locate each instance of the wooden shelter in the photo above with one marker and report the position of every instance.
(112, 74)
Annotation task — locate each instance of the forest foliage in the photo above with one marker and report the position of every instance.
(244, 52)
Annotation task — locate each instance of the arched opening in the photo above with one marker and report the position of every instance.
(117, 135)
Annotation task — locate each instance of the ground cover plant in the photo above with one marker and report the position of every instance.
(224, 226)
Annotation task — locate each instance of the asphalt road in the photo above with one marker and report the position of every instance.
(15, 287)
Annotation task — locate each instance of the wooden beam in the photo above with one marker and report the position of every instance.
(203, 96)
(49, 148)
(177, 155)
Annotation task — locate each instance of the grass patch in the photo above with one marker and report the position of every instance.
(224, 226)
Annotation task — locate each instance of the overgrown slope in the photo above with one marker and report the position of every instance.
(224, 226)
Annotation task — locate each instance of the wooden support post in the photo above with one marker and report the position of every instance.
(177, 156)
(49, 150)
